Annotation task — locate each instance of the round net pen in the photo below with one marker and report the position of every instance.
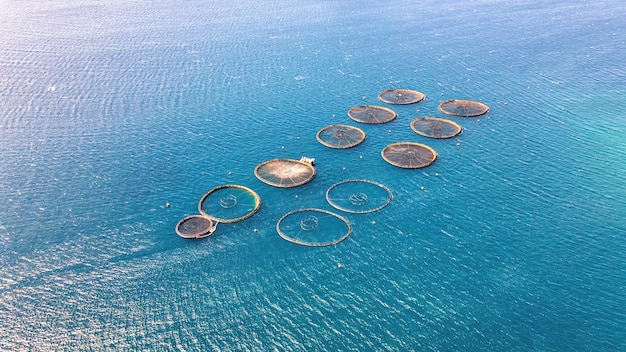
(400, 96)
(285, 172)
(358, 196)
(435, 127)
(409, 155)
(340, 136)
(313, 227)
(229, 203)
(195, 226)
(371, 114)
(463, 108)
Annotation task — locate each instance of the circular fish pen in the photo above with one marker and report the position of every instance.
(285, 172)
(371, 114)
(409, 155)
(340, 136)
(435, 127)
(358, 196)
(229, 203)
(463, 108)
(400, 96)
(313, 227)
(196, 226)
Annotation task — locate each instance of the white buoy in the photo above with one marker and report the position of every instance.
(339, 266)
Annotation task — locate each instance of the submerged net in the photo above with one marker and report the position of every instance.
(229, 203)
(340, 136)
(358, 196)
(371, 114)
(409, 155)
(463, 108)
(313, 227)
(195, 226)
(435, 127)
(285, 172)
(401, 96)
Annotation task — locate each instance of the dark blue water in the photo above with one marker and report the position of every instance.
(108, 111)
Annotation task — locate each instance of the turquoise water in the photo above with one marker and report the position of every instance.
(110, 111)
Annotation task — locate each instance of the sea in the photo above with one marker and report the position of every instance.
(116, 117)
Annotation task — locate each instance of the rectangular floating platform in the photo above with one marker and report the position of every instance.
(310, 161)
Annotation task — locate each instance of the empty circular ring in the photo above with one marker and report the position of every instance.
(358, 199)
(358, 196)
(229, 203)
(313, 227)
(309, 223)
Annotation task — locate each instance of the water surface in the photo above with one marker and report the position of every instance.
(110, 111)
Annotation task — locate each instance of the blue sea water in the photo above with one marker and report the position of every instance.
(110, 110)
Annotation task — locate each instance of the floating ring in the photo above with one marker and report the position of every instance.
(463, 108)
(409, 155)
(400, 96)
(340, 136)
(371, 114)
(306, 230)
(285, 172)
(369, 197)
(196, 226)
(435, 127)
(229, 203)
